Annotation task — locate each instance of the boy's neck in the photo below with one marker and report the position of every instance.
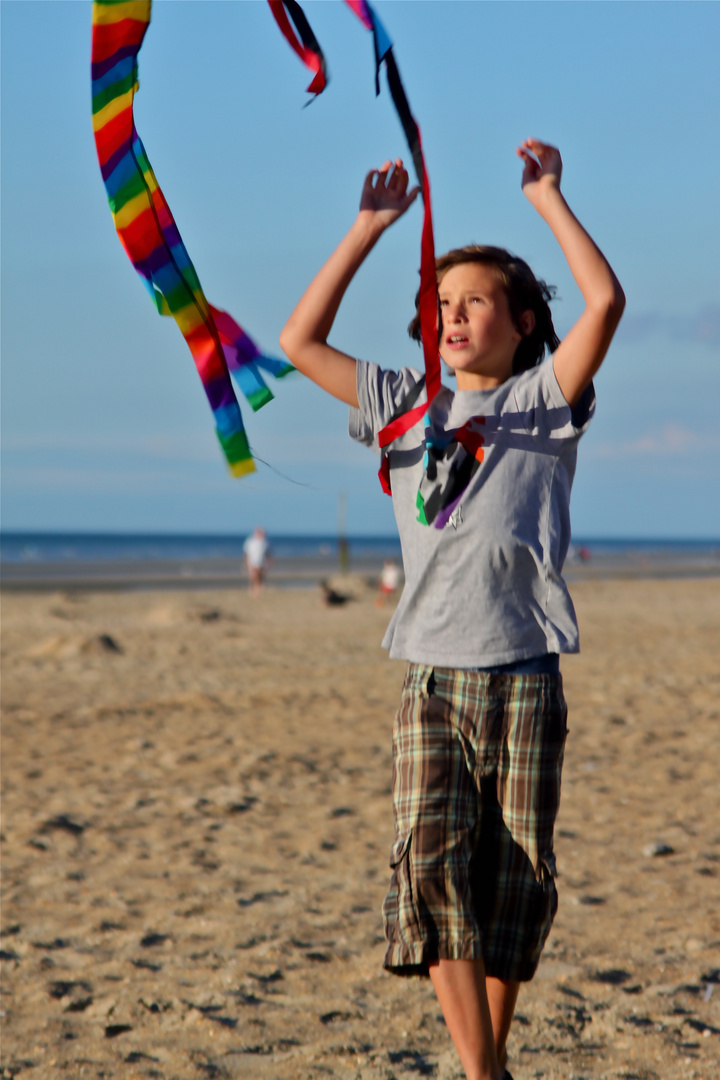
(469, 380)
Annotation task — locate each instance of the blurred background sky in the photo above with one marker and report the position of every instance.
(105, 425)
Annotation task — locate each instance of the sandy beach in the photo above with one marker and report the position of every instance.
(197, 824)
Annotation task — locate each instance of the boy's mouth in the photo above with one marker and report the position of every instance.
(456, 341)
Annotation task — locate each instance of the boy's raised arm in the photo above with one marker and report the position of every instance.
(583, 349)
(385, 197)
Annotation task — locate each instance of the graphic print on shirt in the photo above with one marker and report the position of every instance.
(452, 459)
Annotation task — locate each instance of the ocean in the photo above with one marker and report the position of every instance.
(38, 547)
(42, 560)
(36, 560)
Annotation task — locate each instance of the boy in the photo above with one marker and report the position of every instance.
(481, 494)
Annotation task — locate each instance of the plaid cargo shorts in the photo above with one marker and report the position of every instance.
(477, 759)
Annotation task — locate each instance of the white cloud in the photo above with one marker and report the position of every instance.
(91, 480)
(282, 450)
(702, 327)
(672, 440)
(160, 447)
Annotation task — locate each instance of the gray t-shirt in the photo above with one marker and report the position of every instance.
(492, 474)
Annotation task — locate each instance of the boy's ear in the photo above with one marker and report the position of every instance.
(527, 322)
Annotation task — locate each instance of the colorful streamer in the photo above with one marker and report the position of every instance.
(309, 51)
(305, 45)
(151, 239)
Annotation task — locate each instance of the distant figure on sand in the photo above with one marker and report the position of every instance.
(390, 580)
(256, 556)
(481, 485)
(331, 597)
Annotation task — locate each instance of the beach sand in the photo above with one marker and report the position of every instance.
(197, 824)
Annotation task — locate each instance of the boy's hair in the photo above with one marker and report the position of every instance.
(524, 292)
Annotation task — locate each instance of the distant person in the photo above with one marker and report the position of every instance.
(331, 597)
(256, 556)
(481, 490)
(390, 581)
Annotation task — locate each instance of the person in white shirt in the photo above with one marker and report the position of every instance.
(256, 556)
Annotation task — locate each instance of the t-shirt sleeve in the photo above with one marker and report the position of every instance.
(380, 393)
(540, 400)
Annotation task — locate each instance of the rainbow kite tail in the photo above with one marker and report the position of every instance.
(151, 239)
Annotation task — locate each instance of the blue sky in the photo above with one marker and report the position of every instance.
(105, 425)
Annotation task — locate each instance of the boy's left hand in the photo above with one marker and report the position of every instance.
(543, 168)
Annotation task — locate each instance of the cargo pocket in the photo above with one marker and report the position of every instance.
(547, 900)
(549, 781)
(400, 915)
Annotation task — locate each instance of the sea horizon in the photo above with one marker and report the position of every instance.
(12, 540)
(46, 559)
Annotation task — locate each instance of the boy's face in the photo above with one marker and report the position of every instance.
(478, 338)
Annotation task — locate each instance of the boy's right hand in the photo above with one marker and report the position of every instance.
(385, 196)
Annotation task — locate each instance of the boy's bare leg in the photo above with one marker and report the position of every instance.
(502, 996)
(460, 989)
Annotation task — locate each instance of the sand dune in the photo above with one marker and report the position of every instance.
(197, 823)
